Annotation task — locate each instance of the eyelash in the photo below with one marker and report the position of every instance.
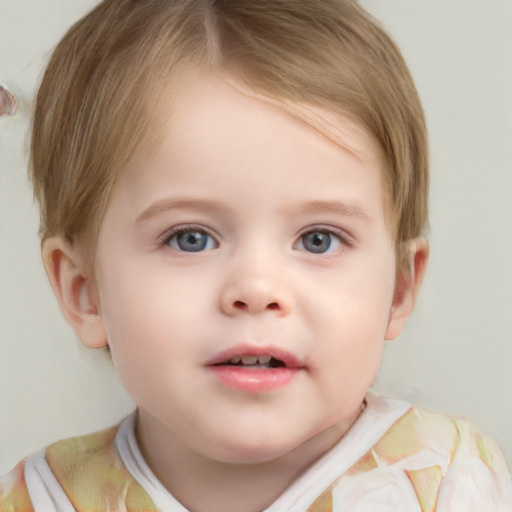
(341, 237)
(168, 236)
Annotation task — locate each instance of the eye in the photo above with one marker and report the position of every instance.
(319, 241)
(189, 239)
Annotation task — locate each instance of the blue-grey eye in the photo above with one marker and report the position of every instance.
(191, 240)
(319, 242)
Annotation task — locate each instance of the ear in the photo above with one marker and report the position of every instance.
(408, 283)
(75, 290)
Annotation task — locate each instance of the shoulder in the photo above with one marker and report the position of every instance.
(14, 495)
(450, 441)
(472, 472)
(81, 473)
(427, 461)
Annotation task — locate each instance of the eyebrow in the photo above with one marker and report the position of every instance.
(168, 204)
(345, 209)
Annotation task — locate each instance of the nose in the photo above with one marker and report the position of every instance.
(255, 291)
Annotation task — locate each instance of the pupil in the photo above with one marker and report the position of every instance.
(317, 242)
(192, 242)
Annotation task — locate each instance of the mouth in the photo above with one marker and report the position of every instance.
(261, 361)
(255, 356)
(252, 369)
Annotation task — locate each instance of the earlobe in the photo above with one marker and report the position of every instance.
(408, 283)
(75, 290)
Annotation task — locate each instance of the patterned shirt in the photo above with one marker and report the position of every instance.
(395, 457)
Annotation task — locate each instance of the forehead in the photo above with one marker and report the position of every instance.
(216, 118)
(203, 102)
(230, 157)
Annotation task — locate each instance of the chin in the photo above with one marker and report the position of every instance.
(257, 448)
(250, 455)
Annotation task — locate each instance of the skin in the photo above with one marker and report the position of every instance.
(257, 186)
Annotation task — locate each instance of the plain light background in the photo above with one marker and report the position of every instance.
(456, 353)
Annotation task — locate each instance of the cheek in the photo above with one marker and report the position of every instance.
(351, 315)
(145, 307)
(355, 301)
(146, 321)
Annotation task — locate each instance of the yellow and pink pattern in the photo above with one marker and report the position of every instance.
(425, 462)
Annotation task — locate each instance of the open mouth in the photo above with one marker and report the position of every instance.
(250, 369)
(263, 361)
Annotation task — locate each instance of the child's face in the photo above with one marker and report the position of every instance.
(247, 234)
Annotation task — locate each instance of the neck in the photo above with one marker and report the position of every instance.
(203, 484)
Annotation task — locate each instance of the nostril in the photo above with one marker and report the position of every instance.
(240, 304)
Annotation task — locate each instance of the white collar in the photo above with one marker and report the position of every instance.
(376, 419)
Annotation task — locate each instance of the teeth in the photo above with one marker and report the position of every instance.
(249, 360)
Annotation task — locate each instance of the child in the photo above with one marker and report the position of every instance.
(232, 198)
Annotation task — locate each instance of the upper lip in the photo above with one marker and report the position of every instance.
(289, 360)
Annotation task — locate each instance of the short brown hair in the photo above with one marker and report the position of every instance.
(102, 85)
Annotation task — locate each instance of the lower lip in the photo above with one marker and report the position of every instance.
(253, 380)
